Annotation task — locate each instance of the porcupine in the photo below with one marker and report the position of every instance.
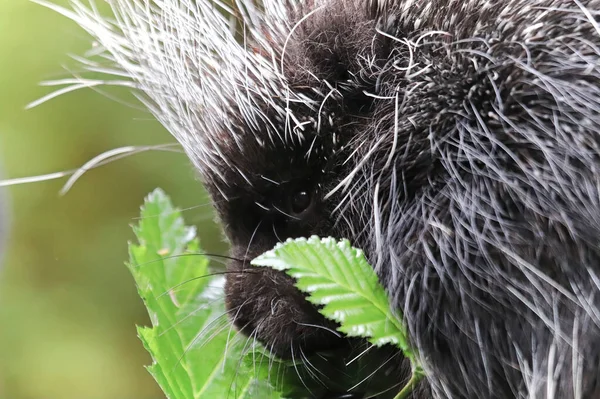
(456, 142)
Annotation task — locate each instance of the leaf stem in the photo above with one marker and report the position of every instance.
(415, 378)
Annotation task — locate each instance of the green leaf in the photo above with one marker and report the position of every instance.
(196, 352)
(338, 277)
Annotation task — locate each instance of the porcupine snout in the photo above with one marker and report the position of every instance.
(264, 304)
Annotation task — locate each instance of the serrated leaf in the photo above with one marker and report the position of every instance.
(195, 351)
(338, 276)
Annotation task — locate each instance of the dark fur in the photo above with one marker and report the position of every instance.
(484, 226)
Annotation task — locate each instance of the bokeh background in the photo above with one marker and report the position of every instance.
(68, 306)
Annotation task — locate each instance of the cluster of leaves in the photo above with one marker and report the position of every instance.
(198, 354)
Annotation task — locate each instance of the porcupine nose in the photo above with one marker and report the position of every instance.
(266, 304)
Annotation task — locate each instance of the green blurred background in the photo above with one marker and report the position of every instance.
(68, 306)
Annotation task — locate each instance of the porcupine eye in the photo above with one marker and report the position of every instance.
(300, 201)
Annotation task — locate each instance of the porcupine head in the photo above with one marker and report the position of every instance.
(456, 142)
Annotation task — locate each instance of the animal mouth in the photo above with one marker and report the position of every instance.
(265, 305)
